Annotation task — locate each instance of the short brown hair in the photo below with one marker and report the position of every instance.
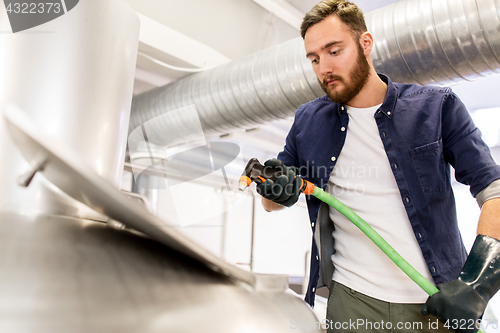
(348, 13)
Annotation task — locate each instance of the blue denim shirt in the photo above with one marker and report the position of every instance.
(424, 130)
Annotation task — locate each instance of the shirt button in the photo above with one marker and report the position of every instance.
(389, 113)
(343, 129)
(395, 166)
(312, 224)
(342, 108)
(407, 199)
(419, 235)
(383, 134)
(314, 289)
(317, 258)
(333, 158)
(433, 269)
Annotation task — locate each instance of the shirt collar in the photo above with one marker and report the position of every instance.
(387, 108)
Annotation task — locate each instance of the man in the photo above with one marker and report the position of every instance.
(384, 149)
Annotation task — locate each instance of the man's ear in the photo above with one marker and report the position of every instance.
(366, 42)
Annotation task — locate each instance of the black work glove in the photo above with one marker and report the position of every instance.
(286, 189)
(457, 305)
(461, 302)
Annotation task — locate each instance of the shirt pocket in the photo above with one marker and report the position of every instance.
(429, 165)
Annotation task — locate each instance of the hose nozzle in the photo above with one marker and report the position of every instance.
(245, 181)
(254, 171)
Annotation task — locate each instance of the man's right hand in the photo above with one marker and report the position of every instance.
(286, 190)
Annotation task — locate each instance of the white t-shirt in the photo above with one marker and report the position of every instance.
(363, 180)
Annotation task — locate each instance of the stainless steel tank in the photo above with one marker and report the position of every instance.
(74, 75)
(63, 274)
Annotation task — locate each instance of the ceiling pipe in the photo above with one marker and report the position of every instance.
(262, 87)
(416, 41)
(436, 41)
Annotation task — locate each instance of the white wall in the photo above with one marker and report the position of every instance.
(281, 239)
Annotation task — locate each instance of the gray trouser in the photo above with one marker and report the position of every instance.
(351, 311)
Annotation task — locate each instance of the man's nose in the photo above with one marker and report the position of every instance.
(325, 68)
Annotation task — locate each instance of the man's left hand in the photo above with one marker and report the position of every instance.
(457, 305)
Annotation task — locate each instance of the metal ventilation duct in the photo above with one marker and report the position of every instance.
(436, 41)
(416, 41)
(262, 87)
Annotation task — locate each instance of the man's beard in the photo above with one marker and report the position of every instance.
(359, 76)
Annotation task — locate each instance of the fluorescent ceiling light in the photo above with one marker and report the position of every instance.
(283, 10)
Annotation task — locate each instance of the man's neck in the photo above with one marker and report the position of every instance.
(373, 93)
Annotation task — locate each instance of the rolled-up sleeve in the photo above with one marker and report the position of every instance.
(491, 191)
(464, 148)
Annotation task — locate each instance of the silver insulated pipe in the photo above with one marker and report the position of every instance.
(416, 41)
(265, 86)
(436, 41)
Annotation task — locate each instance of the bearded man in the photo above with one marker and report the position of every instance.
(385, 150)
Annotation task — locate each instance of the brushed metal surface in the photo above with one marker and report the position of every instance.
(63, 168)
(436, 41)
(61, 274)
(74, 76)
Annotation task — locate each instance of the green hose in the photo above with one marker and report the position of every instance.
(408, 269)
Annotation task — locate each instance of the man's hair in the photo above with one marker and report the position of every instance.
(348, 13)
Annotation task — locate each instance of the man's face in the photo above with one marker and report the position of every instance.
(337, 59)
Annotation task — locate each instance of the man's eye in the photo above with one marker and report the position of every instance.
(335, 52)
(314, 61)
